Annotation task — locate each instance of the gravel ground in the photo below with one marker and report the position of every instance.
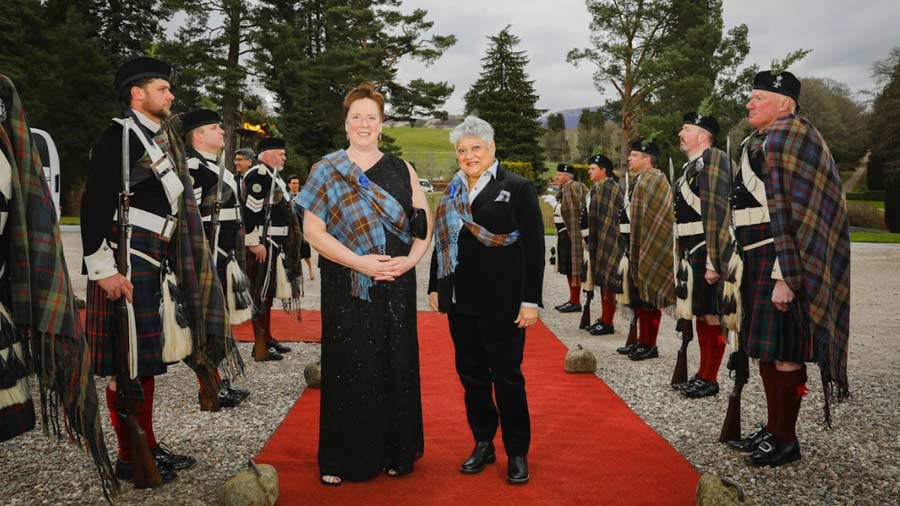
(856, 462)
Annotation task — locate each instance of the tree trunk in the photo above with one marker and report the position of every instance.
(232, 89)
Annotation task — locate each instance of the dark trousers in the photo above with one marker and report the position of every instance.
(488, 361)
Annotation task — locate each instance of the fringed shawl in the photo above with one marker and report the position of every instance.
(651, 249)
(603, 232)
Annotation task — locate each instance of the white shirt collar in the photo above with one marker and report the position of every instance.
(211, 157)
(490, 172)
(147, 122)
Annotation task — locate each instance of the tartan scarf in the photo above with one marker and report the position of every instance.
(571, 203)
(651, 248)
(42, 300)
(208, 199)
(715, 191)
(811, 231)
(360, 211)
(603, 232)
(453, 211)
(214, 345)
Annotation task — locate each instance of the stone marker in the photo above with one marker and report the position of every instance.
(715, 491)
(313, 375)
(580, 360)
(257, 486)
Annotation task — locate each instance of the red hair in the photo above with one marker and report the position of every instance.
(364, 90)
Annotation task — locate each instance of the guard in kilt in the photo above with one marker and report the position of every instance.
(215, 191)
(40, 331)
(272, 239)
(702, 218)
(791, 221)
(646, 224)
(179, 304)
(570, 218)
(604, 251)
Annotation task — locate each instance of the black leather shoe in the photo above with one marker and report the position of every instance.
(273, 354)
(626, 350)
(239, 392)
(517, 474)
(166, 458)
(280, 348)
(568, 307)
(749, 443)
(593, 325)
(646, 353)
(482, 455)
(125, 472)
(687, 384)
(602, 330)
(706, 389)
(229, 398)
(556, 307)
(695, 383)
(774, 453)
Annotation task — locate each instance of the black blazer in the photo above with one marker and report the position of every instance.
(495, 281)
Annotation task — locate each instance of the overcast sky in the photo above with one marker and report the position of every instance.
(846, 38)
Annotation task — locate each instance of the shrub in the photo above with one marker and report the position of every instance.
(865, 216)
(892, 202)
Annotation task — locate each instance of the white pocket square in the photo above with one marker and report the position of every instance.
(502, 197)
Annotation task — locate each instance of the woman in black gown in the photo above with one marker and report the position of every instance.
(371, 410)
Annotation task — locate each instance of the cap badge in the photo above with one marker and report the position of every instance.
(698, 120)
(777, 83)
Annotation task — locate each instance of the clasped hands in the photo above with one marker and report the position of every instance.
(383, 267)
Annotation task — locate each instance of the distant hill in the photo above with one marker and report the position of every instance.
(571, 116)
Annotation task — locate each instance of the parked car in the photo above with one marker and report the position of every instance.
(552, 189)
(426, 185)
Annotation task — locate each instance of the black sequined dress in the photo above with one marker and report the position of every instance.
(371, 408)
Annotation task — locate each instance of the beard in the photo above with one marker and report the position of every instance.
(160, 111)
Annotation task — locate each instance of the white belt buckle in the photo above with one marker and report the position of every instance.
(162, 166)
(168, 228)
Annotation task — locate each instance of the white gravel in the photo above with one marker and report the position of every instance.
(857, 462)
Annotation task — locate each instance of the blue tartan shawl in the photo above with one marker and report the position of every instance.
(453, 211)
(355, 210)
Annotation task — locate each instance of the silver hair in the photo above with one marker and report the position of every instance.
(472, 127)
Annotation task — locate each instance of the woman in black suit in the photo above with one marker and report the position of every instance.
(487, 273)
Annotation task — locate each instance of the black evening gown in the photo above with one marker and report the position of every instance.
(371, 407)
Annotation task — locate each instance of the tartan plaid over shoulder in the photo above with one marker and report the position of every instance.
(571, 202)
(715, 190)
(651, 249)
(603, 232)
(42, 300)
(812, 239)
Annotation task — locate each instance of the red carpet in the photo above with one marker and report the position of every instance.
(284, 328)
(587, 446)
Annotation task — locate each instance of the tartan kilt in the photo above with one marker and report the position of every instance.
(636, 302)
(705, 298)
(563, 253)
(767, 334)
(256, 273)
(15, 418)
(100, 327)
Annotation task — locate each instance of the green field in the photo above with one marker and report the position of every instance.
(883, 237)
(428, 148)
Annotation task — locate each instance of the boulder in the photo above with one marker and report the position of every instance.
(580, 360)
(257, 486)
(715, 491)
(313, 375)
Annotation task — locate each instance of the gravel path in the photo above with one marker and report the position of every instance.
(857, 462)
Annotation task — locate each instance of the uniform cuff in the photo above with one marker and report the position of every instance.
(776, 271)
(529, 304)
(251, 239)
(101, 264)
(709, 264)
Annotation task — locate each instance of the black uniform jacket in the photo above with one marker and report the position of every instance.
(494, 281)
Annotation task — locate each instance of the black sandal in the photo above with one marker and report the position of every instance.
(330, 483)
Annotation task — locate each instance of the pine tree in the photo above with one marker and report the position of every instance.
(505, 97)
(590, 134)
(555, 141)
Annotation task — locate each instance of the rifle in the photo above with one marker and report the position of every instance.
(588, 288)
(209, 397)
(685, 330)
(263, 271)
(128, 391)
(632, 330)
(739, 365)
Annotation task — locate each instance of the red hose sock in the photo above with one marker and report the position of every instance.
(712, 341)
(145, 409)
(574, 291)
(608, 301)
(791, 387)
(649, 319)
(118, 428)
(767, 373)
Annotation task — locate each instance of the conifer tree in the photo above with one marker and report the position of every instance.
(555, 139)
(505, 97)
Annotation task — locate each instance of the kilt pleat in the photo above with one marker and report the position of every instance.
(100, 315)
(704, 300)
(767, 334)
(564, 253)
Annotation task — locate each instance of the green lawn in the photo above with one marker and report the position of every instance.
(428, 148)
(883, 237)
(878, 204)
(70, 220)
